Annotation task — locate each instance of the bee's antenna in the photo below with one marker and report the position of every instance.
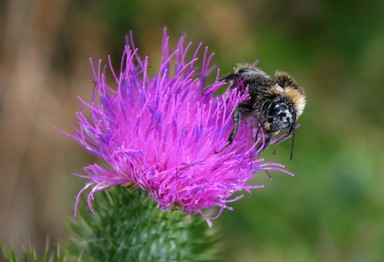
(292, 131)
(269, 175)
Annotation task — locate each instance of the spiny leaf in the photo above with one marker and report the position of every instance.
(128, 226)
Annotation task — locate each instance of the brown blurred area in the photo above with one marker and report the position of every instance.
(36, 188)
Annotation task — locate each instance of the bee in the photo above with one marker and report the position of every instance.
(276, 103)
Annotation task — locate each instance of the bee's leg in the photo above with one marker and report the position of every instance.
(236, 120)
(228, 77)
(267, 141)
(266, 144)
(257, 133)
(241, 109)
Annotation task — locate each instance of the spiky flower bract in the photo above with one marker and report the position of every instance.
(161, 133)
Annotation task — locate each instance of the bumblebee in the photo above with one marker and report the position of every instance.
(276, 103)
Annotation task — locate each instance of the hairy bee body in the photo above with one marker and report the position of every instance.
(276, 103)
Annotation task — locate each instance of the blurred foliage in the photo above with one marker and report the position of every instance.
(30, 254)
(332, 210)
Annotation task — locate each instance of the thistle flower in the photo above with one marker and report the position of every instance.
(161, 133)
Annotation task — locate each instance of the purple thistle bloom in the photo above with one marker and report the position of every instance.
(161, 133)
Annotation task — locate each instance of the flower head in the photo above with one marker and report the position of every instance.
(161, 133)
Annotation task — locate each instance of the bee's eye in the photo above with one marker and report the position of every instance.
(278, 109)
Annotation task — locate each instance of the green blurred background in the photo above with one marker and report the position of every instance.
(332, 210)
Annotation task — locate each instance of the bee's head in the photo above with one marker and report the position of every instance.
(279, 114)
